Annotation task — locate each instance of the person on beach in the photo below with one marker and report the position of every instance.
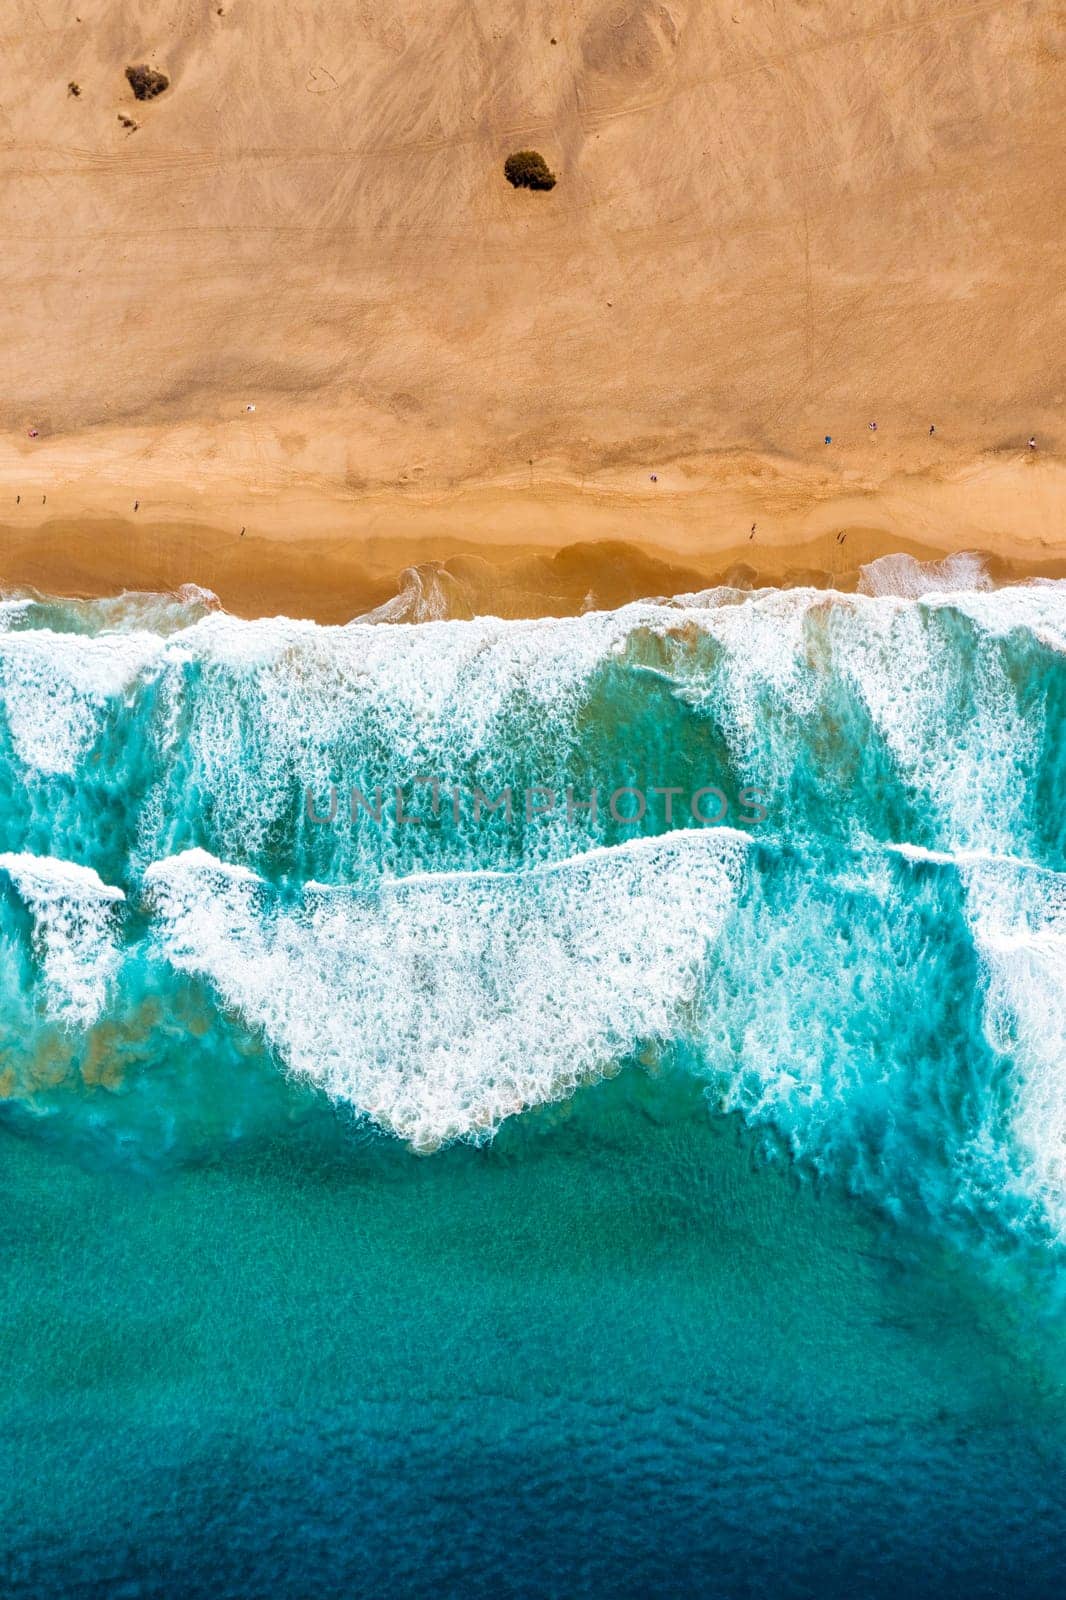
(1032, 441)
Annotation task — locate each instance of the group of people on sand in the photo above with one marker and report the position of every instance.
(873, 429)
(932, 429)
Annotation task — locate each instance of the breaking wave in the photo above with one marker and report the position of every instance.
(873, 973)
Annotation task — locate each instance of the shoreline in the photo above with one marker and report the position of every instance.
(541, 543)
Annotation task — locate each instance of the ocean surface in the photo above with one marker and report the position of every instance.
(418, 1179)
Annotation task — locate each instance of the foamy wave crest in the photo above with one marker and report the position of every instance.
(845, 1012)
(1037, 608)
(280, 704)
(438, 1005)
(56, 690)
(428, 593)
(1018, 917)
(909, 578)
(74, 932)
(13, 609)
(256, 708)
(951, 717)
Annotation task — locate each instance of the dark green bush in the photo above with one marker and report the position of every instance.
(527, 169)
(146, 83)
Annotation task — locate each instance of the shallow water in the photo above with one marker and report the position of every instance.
(543, 1204)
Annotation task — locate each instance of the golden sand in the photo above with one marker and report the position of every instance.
(772, 223)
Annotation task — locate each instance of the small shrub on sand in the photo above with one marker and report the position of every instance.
(527, 169)
(74, 88)
(146, 83)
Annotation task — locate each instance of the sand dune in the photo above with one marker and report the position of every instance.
(773, 221)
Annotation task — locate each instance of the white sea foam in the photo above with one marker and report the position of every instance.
(765, 638)
(74, 932)
(954, 727)
(1016, 910)
(1018, 918)
(56, 690)
(426, 594)
(910, 579)
(446, 684)
(439, 1005)
(1038, 608)
(961, 858)
(13, 609)
(254, 711)
(281, 704)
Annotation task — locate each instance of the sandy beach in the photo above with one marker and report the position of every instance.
(523, 547)
(771, 225)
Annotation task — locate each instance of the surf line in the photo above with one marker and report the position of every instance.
(708, 806)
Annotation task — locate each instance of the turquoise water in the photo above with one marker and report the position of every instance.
(544, 1204)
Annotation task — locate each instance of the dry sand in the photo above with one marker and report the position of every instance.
(773, 221)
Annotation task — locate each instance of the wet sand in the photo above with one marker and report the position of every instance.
(520, 546)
